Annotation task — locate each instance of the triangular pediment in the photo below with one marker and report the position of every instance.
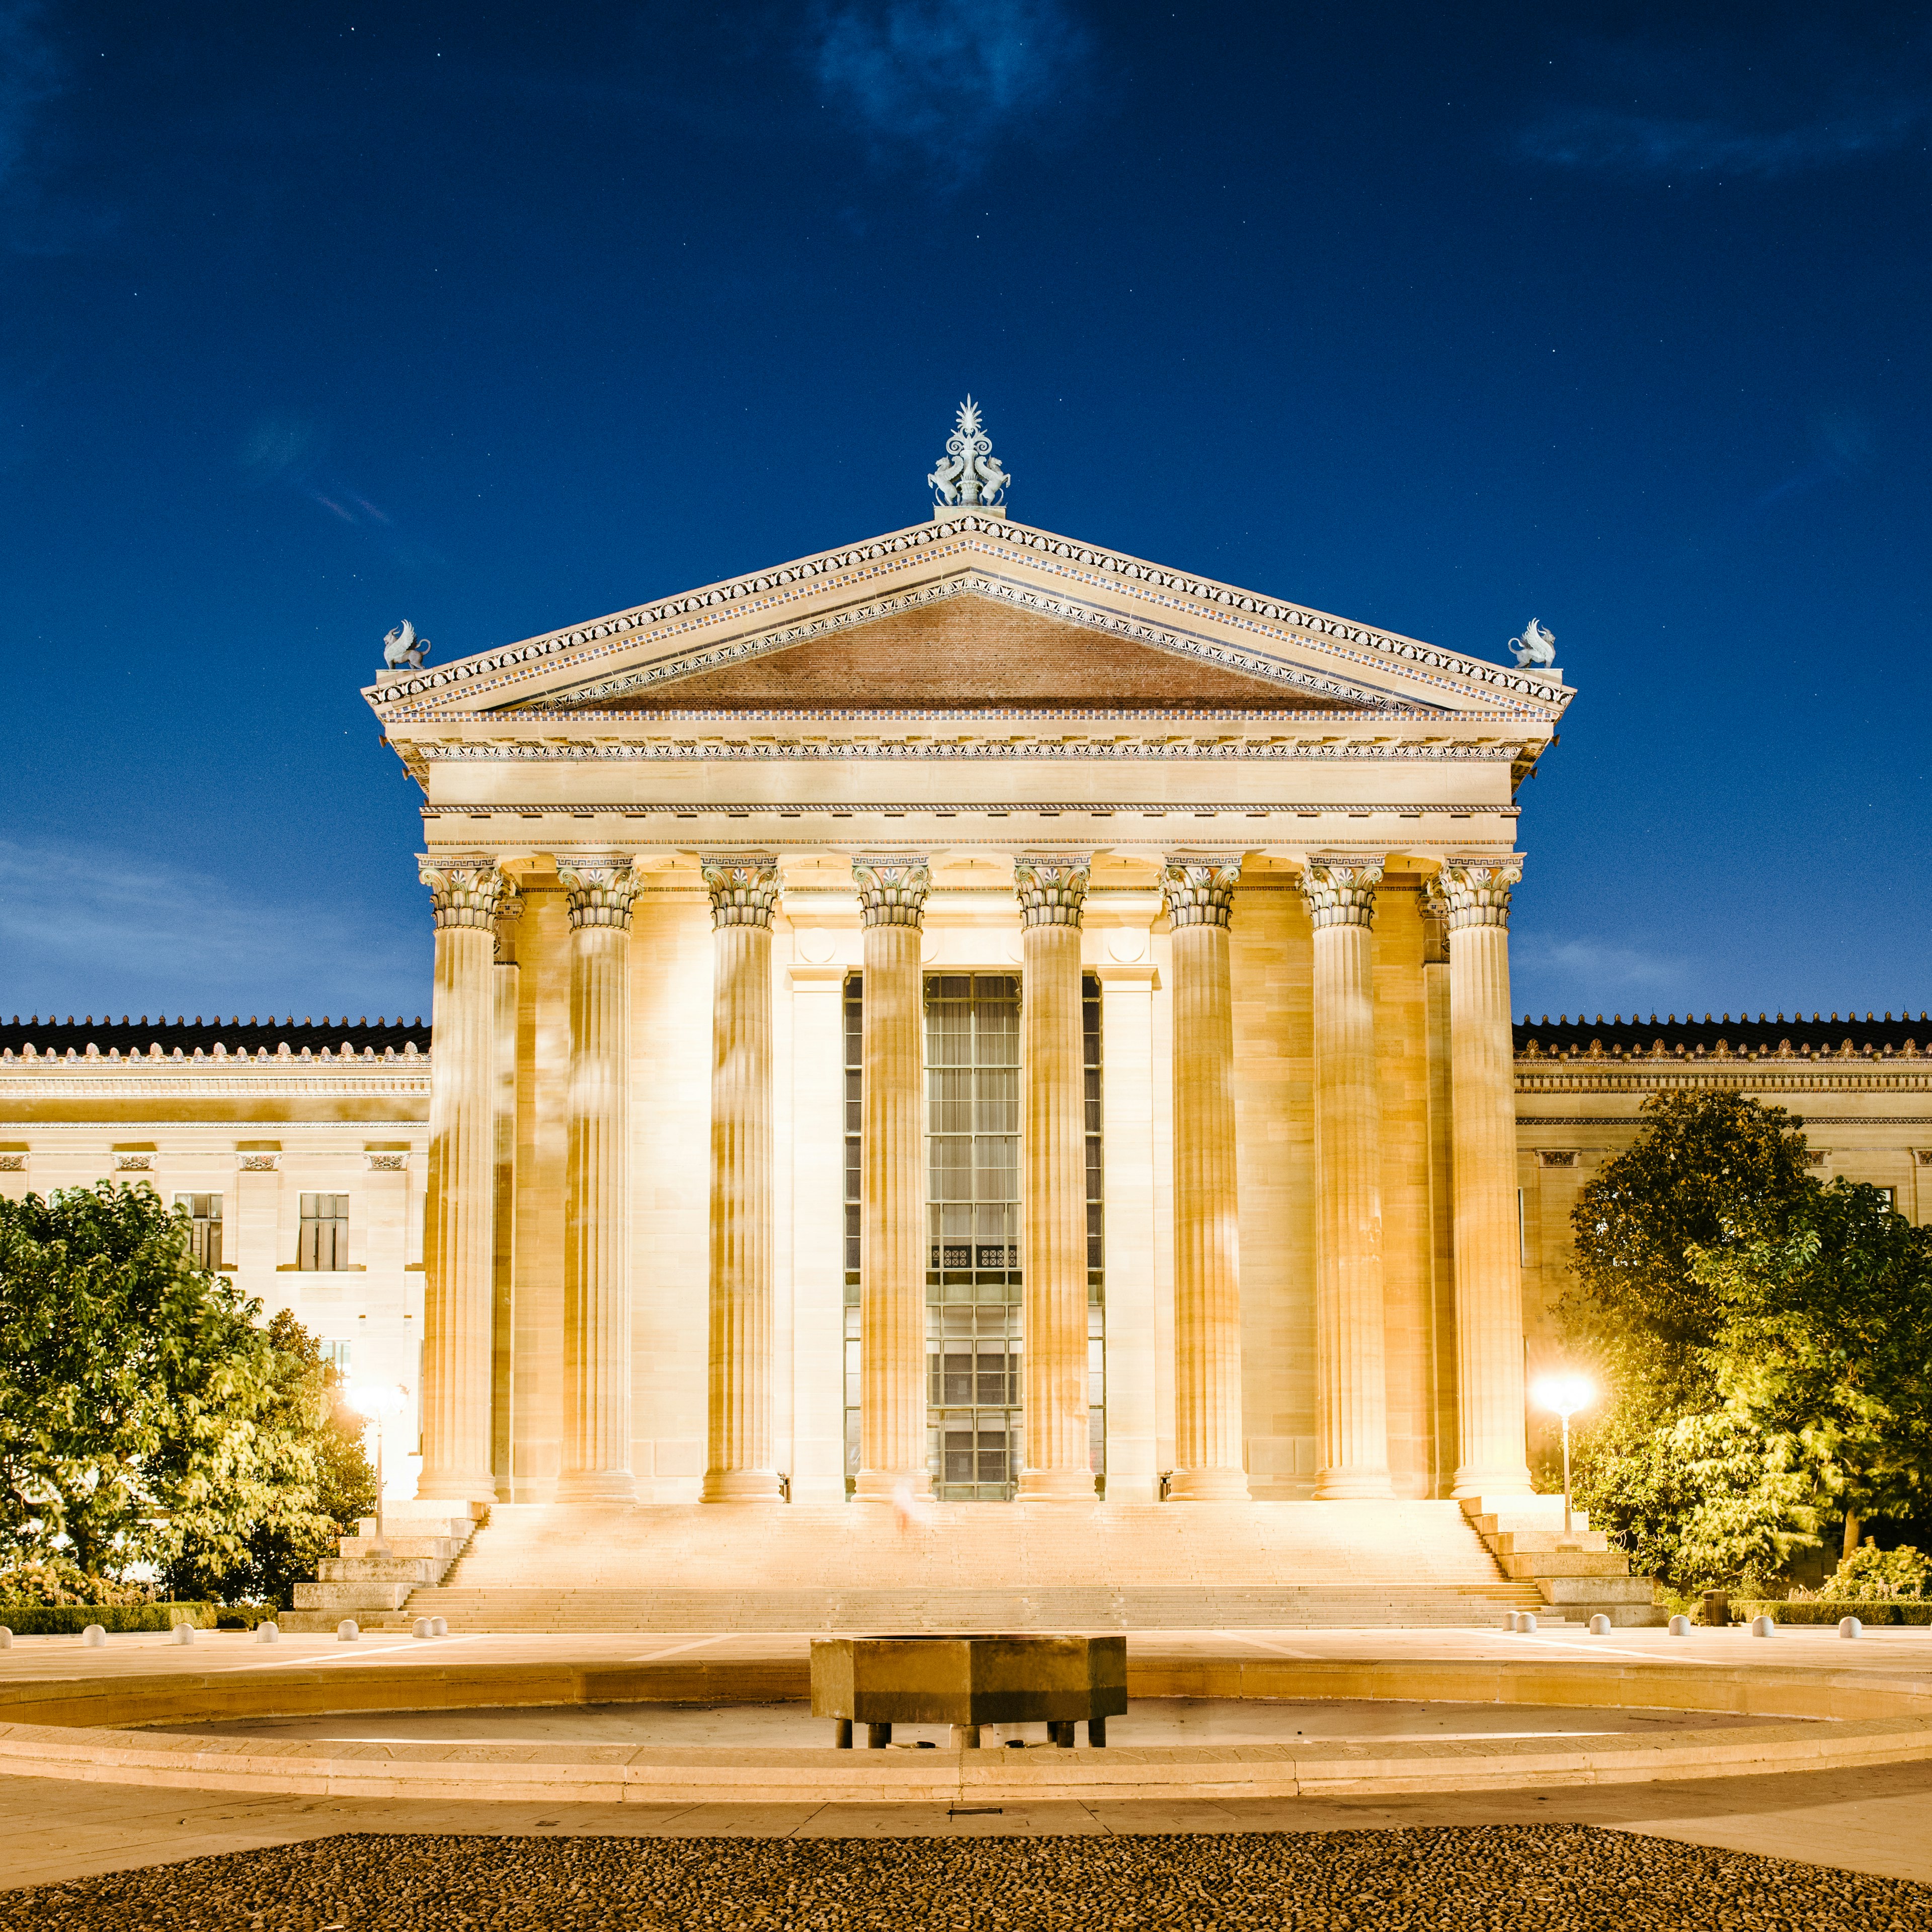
(974, 613)
(965, 652)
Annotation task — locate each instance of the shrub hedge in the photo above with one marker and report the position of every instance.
(70, 1619)
(1829, 1610)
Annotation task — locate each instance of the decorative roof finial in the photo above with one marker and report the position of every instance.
(968, 476)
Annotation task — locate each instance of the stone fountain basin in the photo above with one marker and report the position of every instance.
(969, 1680)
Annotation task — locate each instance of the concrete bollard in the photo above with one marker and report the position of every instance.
(181, 1633)
(270, 1632)
(1850, 1627)
(420, 1627)
(439, 1627)
(6, 1638)
(1600, 1625)
(1680, 1626)
(94, 1636)
(1511, 1621)
(348, 1631)
(1764, 1626)
(1526, 1622)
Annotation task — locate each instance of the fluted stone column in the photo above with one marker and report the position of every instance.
(1199, 894)
(745, 888)
(891, 1255)
(596, 1462)
(1052, 889)
(1350, 1384)
(458, 1304)
(1488, 1273)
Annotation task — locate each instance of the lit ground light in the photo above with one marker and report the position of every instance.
(1556, 1878)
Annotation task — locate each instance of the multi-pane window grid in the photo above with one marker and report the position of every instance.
(976, 1426)
(324, 1241)
(204, 1241)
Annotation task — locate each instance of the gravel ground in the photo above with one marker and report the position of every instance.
(1552, 1878)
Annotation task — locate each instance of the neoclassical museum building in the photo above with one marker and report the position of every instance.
(967, 1013)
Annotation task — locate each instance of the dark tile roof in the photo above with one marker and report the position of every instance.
(235, 1036)
(1765, 1032)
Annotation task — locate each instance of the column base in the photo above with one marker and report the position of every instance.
(890, 1486)
(1472, 1483)
(596, 1486)
(1349, 1486)
(1208, 1486)
(1057, 1486)
(740, 1485)
(454, 1486)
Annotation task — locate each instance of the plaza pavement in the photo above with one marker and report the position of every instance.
(1874, 1819)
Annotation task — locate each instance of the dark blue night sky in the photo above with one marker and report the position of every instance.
(315, 317)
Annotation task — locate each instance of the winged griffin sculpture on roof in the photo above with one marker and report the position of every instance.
(969, 475)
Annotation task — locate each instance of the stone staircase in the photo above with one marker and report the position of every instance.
(423, 1539)
(1579, 1576)
(972, 1567)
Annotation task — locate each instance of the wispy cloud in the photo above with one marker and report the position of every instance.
(1646, 145)
(952, 81)
(85, 930)
(1554, 974)
(30, 74)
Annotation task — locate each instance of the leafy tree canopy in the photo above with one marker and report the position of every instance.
(143, 1413)
(1709, 1170)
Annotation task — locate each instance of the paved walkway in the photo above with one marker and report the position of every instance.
(1877, 1819)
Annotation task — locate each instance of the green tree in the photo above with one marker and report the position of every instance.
(1822, 1348)
(281, 1551)
(142, 1408)
(1709, 1171)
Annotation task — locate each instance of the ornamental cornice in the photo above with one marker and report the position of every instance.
(1631, 1120)
(1007, 746)
(57, 1081)
(1734, 1076)
(995, 541)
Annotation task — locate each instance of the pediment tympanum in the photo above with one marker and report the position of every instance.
(965, 653)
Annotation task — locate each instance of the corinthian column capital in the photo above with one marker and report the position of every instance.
(601, 890)
(1478, 893)
(744, 887)
(1051, 887)
(893, 887)
(466, 889)
(1340, 889)
(1198, 888)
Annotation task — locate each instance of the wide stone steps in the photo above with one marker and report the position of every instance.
(1094, 1608)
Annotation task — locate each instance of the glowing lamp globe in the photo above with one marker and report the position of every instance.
(1565, 1394)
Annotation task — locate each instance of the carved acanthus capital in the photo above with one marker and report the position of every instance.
(744, 887)
(1479, 894)
(466, 889)
(1341, 890)
(893, 887)
(600, 890)
(1199, 887)
(1051, 887)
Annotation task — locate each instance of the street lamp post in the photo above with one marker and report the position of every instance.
(377, 1401)
(1565, 1394)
